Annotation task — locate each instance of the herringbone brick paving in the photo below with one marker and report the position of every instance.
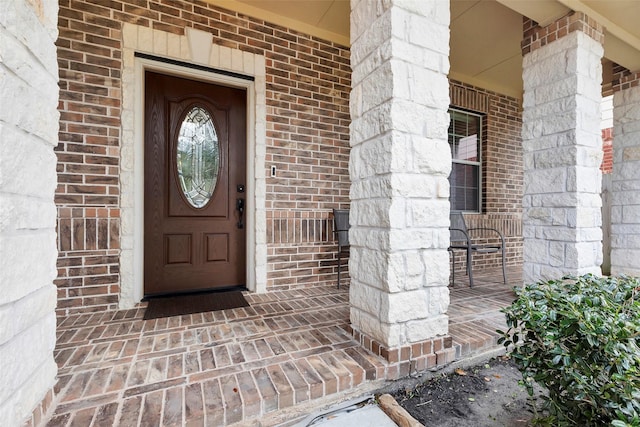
(474, 313)
(224, 367)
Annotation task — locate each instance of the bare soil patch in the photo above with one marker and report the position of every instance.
(485, 395)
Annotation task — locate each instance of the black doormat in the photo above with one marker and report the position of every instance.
(193, 303)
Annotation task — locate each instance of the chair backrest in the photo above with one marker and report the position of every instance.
(341, 226)
(457, 223)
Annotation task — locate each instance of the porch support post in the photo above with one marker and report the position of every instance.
(562, 147)
(399, 164)
(625, 200)
(29, 124)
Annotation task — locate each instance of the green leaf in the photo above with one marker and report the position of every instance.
(578, 337)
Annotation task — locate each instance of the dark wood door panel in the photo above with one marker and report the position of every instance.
(192, 239)
(178, 249)
(216, 247)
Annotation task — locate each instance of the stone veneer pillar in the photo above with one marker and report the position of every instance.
(28, 133)
(399, 164)
(625, 199)
(562, 147)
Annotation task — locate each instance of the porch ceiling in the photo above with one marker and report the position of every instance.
(485, 34)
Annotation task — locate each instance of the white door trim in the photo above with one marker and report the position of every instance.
(175, 47)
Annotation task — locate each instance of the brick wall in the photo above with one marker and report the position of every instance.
(308, 83)
(308, 143)
(502, 169)
(623, 78)
(607, 148)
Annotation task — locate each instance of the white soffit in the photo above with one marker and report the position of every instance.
(326, 19)
(544, 12)
(485, 46)
(485, 35)
(620, 19)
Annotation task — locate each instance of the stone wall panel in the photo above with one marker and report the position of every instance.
(28, 131)
(401, 137)
(561, 134)
(625, 191)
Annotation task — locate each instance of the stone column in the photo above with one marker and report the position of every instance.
(29, 123)
(399, 164)
(625, 199)
(562, 147)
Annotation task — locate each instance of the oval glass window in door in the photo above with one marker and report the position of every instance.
(198, 157)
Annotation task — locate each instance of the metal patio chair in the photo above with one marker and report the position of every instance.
(462, 239)
(341, 230)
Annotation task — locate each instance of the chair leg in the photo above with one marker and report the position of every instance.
(504, 273)
(453, 256)
(339, 257)
(469, 268)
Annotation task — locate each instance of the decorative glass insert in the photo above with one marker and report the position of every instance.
(465, 136)
(198, 157)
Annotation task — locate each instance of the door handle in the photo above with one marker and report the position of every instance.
(240, 209)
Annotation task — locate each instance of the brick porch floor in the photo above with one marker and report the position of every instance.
(238, 366)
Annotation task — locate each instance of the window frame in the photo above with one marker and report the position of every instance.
(481, 123)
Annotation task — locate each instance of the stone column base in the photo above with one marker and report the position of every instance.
(40, 415)
(417, 357)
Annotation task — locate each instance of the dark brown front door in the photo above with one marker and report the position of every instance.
(194, 162)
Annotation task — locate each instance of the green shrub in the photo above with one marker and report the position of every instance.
(578, 337)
